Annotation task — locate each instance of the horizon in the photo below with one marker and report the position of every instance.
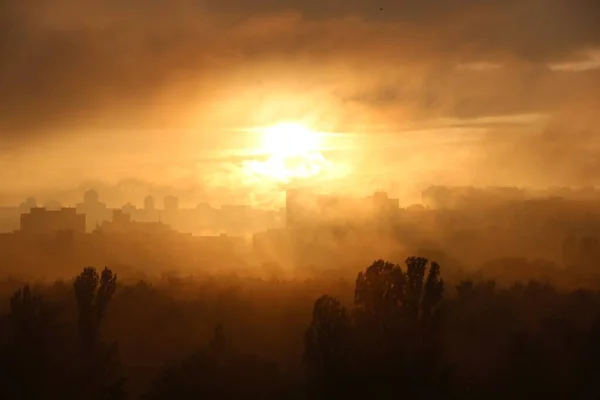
(187, 201)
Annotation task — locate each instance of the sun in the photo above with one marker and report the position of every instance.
(290, 140)
(292, 151)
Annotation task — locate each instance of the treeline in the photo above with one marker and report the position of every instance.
(397, 331)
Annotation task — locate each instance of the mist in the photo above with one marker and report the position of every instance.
(100, 91)
(299, 199)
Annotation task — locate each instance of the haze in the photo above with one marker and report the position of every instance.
(299, 199)
(458, 92)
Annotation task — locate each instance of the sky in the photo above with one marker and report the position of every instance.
(161, 94)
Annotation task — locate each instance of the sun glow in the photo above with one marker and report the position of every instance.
(292, 151)
(290, 140)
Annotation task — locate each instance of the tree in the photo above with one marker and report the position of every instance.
(100, 364)
(93, 293)
(26, 352)
(380, 291)
(398, 322)
(392, 300)
(328, 350)
(33, 349)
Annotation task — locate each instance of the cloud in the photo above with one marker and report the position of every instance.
(83, 62)
(188, 69)
(590, 60)
(560, 151)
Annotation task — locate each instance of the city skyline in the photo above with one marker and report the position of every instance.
(299, 199)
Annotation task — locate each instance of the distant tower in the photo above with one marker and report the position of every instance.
(171, 203)
(26, 206)
(149, 203)
(31, 202)
(128, 209)
(90, 197)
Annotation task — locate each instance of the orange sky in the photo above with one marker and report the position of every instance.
(457, 92)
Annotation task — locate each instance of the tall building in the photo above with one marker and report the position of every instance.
(149, 203)
(27, 205)
(384, 204)
(43, 221)
(95, 211)
(129, 209)
(91, 197)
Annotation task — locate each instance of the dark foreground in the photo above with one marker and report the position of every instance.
(396, 332)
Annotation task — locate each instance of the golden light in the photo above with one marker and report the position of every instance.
(293, 151)
(290, 139)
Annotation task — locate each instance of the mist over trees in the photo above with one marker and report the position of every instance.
(397, 330)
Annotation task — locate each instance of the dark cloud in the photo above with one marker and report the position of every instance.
(531, 29)
(561, 151)
(67, 65)
(76, 62)
(69, 71)
(516, 89)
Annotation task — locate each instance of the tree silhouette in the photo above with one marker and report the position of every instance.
(33, 353)
(380, 291)
(391, 341)
(93, 293)
(328, 350)
(27, 349)
(394, 299)
(100, 379)
(527, 340)
(398, 321)
(25, 312)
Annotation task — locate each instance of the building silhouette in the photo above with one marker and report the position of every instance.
(149, 204)
(40, 221)
(123, 224)
(28, 204)
(95, 211)
(305, 207)
(129, 209)
(91, 197)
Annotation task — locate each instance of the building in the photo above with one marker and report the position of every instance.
(149, 203)
(91, 197)
(42, 221)
(129, 209)
(305, 208)
(28, 204)
(122, 224)
(95, 211)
